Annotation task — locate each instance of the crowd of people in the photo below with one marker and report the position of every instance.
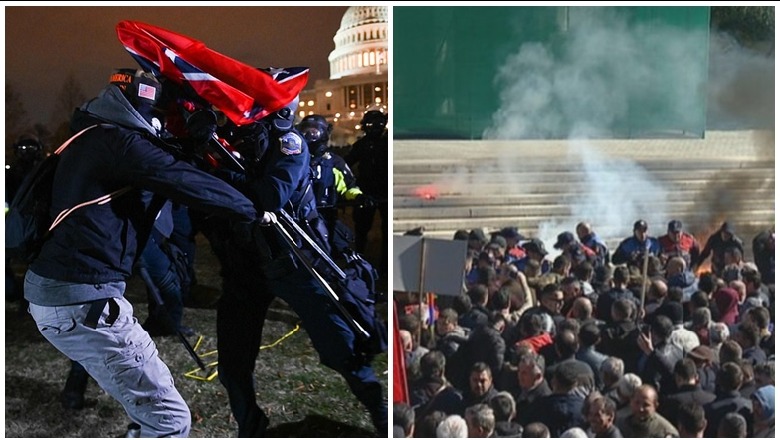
(658, 337)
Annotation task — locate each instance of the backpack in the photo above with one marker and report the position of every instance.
(358, 295)
(27, 222)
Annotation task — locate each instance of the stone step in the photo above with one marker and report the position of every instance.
(540, 210)
(546, 164)
(420, 201)
(453, 187)
(577, 175)
(546, 187)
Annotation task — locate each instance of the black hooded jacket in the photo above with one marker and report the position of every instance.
(98, 243)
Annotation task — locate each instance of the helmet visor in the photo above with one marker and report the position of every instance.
(312, 134)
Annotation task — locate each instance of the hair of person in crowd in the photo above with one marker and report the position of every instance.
(503, 405)
(691, 421)
(574, 433)
(453, 426)
(733, 425)
(536, 430)
(403, 416)
(481, 420)
(612, 369)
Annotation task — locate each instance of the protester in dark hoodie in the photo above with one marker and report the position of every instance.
(76, 284)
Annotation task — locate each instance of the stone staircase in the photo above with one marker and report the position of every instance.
(546, 187)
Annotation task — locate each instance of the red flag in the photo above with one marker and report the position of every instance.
(400, 389)
(244, 93)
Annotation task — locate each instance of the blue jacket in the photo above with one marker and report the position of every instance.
(631, 251)
(281, 177)
(98, 243)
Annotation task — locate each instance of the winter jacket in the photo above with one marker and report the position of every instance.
(98, 243)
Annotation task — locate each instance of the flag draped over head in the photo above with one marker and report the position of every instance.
(244, 93)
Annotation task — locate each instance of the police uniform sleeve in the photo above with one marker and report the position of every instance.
(287, 171)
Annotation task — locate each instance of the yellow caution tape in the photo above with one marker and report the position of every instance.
(211, 370)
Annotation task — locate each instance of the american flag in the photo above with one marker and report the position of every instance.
(244, 93)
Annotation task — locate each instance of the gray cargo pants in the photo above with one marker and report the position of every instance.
(122, 358)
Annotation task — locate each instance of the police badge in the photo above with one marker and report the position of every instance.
(291, 143)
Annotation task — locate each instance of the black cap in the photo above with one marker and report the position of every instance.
(461, 234)
(511, 232)
(535, 245)
(675, 226)
(727, 227)
(498, 240)
(640, 225)
(478, 234)
(564, 238)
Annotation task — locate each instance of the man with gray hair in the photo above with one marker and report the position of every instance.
(453, 426)
(719, 333)
(480, 420)
(626, 387)
(611, 371)
(531, 382)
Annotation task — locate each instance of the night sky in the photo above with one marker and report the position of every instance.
(44, 44)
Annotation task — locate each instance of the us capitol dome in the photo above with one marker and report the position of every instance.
(358, 74)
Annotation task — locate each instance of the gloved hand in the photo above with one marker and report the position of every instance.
(267, 219)
(201, 125)
(365, 201)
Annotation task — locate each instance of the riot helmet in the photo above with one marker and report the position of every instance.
(142, 90)
(28, 148)
(283, 118)
(316, 131)
(373, 122)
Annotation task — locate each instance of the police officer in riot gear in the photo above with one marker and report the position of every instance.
(28, 152)
(257, 265)
(332, 180)
(369, 153)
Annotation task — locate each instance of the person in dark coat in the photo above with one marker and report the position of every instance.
(764, 254)
(618, 339)
(660, 355)
(724, 238)
(691, 422)
(562, 409)
(589, 338)
(485, 344)
(432, 392)
(688, 390)
(480, 386)
(76, 284)
(531, 384)
(728, 399)
(477, 314)
(749, 336)
(368, 157)
(619, 290)
(504, 410)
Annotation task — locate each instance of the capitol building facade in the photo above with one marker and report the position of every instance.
(358, 74)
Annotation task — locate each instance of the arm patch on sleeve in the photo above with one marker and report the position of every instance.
(291, 144)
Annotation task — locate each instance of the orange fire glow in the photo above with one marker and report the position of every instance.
(702, 236)
(427, 192)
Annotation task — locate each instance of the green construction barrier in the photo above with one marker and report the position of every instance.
(549, 72)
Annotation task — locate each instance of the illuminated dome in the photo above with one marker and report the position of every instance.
(361, 43)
